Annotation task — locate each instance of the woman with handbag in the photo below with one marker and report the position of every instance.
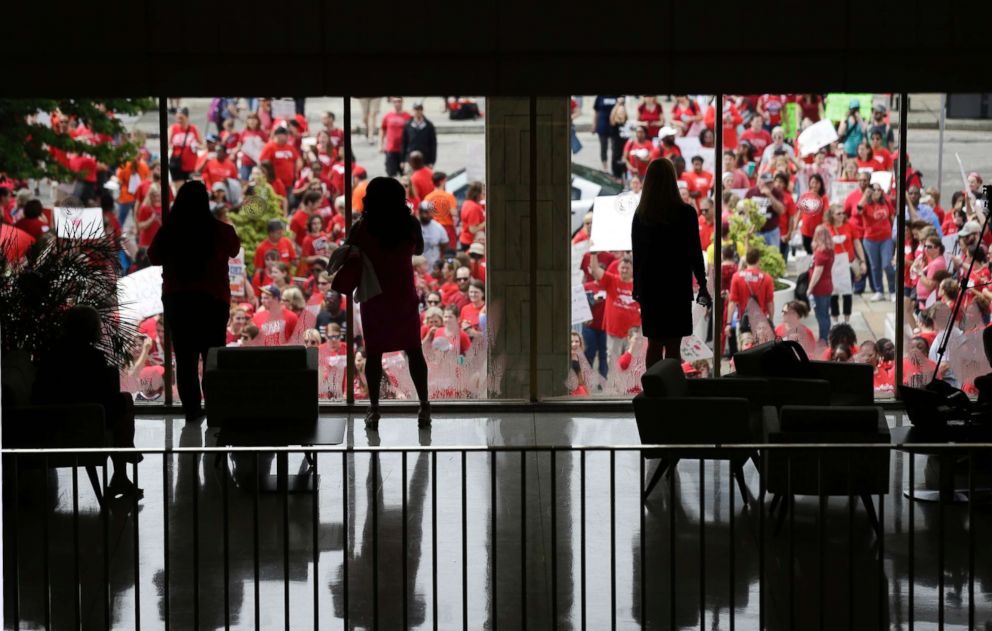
(388, 236)
(849, 261)
(184, 139)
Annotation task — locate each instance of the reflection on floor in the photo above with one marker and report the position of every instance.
(420, 509)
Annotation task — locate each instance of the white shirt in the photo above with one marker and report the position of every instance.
(434, 237)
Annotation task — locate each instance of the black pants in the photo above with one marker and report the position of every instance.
(835, 305)
(604, 146)
(197, 322)
(393, 163)
(808, 244)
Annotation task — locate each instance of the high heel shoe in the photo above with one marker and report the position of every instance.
(372, 418)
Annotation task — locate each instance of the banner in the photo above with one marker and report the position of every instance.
(78, 222)
(815, 137)
(139, 295)
(236, 274)
(789, 120)
(284, 109)
(837, 105)
(580, 304)
(840, 190)
(611, 219)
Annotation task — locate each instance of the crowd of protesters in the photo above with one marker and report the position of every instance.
(281, 291)
(827, 215)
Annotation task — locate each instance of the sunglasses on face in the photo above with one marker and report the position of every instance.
(461, 279)
(930, 246)
(433, 302)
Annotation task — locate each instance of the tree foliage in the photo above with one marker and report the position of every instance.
(24, 141)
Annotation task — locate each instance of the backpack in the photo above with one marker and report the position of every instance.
(801, 292)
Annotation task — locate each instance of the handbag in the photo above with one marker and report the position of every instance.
(176, 160)
(347, 270)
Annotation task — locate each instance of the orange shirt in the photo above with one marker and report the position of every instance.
(358, 196)
(444, 203)
(128, 193)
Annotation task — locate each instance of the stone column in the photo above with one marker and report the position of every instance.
(508, 262)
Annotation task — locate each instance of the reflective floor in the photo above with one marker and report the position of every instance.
(422, 570)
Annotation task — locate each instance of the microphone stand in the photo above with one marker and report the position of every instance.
(946, 338)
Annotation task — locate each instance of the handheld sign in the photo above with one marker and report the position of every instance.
(611, 219)
(140, 294)
(78, 223)
(815, 137)
(236, 274)
(883, 179)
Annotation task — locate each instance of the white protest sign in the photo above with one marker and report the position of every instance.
(883, 179)
(139, 295)
(690, 146)
(78, 222)
(840, 190)
(739, 192)
(611, 219)
(695, 349)
(252, 147)
(580, 304)
(283, 108)
(236, 274)
(816, 136)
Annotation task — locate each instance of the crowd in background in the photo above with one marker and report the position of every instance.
(826, 214)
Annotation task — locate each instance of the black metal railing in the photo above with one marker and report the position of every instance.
(520, 537)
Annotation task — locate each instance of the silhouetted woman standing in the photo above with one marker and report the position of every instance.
(193, 249)
(390, 236)
(667, 254)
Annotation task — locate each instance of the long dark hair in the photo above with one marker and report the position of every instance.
(188, 231)
(386, 215)
(660, 198)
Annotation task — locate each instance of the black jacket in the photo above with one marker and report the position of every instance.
(422, 139)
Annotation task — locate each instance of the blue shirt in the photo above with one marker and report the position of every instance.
(924, 212)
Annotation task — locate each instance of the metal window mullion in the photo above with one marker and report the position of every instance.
(163, 149)
(349, 304)
(901, 235)
(716, 314)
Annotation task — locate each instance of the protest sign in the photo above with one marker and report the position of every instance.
(695, 349)
(283, 108)
(840, 190)
(580, 304)
(78, 222)
(964, 178)
(838, 104)
(139, 295)
(236, 274)
(816, 136)
(252, 147)
(883, 179)
(611, 219)
(690, 146)
(789, 120)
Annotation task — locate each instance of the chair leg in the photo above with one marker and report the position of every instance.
(738, 468)
(775, 500)
(95, 481)
(660, 471)
(872, 515)
(787, 505)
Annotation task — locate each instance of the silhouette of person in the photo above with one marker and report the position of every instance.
(75, 371)
(193, 249)
(667, 254)
(389, 236)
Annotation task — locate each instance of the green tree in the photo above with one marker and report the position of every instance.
(24, 142)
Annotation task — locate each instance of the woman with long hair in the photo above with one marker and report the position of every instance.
(821, 285)
(390, 236)
(193, 249)
(667, 254)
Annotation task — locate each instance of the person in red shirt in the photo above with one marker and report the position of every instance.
(820, 280)
(469, 315)
(459, 296)
(275, 323)
(33, 222)
(666, 147)
(253, 139)
(770, 108)
(731, 119)
(472, 215)
(876, 213)
(651, 115)
(685, 113)
(184, 142)
(621, 311)
(149, 217)
(218, 169)
(690, 180)
(881, 155)
(300, 220)
(811, 206)
(847, 244)
(751, 283)
(420, 178)
(702, 179)
(706, 223)
(866, 159)
(391, 138)
(277, 242)
(477, 263)
(854, 198)
(756, 136)
(284, 157)
(637, 152)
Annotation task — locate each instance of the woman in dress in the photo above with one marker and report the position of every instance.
(390, 236)
(667, 254)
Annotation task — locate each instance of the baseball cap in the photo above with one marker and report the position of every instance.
(272, 290)
(766, 177)
(477, 248)
(854, 104)
(969, 228)
(417, 105)
(667, 131)
(212, 137)
(878, 107)
(280, 129)
(218, 186)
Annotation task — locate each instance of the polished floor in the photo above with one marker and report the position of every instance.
(435, 515)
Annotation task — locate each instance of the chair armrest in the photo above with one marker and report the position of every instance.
(740, 387)
(851, 383)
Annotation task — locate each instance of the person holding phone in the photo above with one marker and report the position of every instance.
(667, 254)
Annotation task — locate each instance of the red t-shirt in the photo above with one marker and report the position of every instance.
(393, 124)
(882, 159)
(33, 227)
(216, 171)
(772, 104)
(825, 286)
(422, 182)
(298, 225)
(757, 139)
(705, 233)
(877, 219)
(287, 252)
(638, 155)
(651, 118)
(470, 314)
(703, 181)
(790, 211)
(844, 238)
(283, 158)
(472, 214)
(752, 281)
(84, 166)
(621, 311)
(271, 324)
(811, 207)
(185, 143)
(145, 213)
